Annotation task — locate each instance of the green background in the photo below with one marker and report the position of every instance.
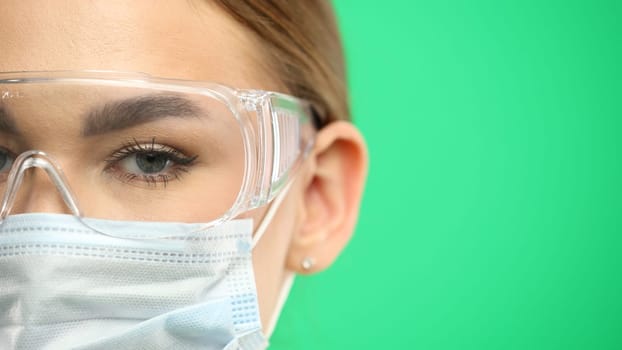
(493, 213)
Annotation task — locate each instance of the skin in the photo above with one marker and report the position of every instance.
(186, 40)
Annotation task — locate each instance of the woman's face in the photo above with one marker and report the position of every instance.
(178, 39)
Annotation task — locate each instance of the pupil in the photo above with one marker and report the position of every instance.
(151, 163)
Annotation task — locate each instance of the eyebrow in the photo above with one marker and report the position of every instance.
(7, 122)
(123, 114)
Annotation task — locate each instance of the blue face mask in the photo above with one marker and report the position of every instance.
(66, 286)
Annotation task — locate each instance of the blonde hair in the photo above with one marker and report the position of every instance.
(303, 47)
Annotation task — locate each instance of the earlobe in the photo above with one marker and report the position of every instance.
(332, 195)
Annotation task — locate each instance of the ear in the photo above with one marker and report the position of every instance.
(333, 188)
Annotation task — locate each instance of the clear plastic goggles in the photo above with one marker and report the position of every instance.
(133, 147)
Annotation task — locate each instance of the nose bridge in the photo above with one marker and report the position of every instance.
(47, 168)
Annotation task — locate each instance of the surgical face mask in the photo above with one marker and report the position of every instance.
(65, 286)
(142, 285)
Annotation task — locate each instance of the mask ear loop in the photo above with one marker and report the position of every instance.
(267, 219)
(288, 282)
(286, 288)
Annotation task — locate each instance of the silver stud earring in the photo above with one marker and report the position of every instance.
(307, 263)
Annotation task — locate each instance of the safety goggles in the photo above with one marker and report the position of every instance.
(128, 146)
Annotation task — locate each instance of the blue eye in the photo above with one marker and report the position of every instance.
(150, 163)
(147, 162)
(6, 160)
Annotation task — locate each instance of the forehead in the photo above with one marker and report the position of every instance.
(179, 39)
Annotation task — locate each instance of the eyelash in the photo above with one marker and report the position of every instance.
(181, 163)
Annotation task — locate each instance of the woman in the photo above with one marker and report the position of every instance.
(133, 201)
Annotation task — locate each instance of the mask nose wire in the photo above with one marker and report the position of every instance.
(36, 159)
